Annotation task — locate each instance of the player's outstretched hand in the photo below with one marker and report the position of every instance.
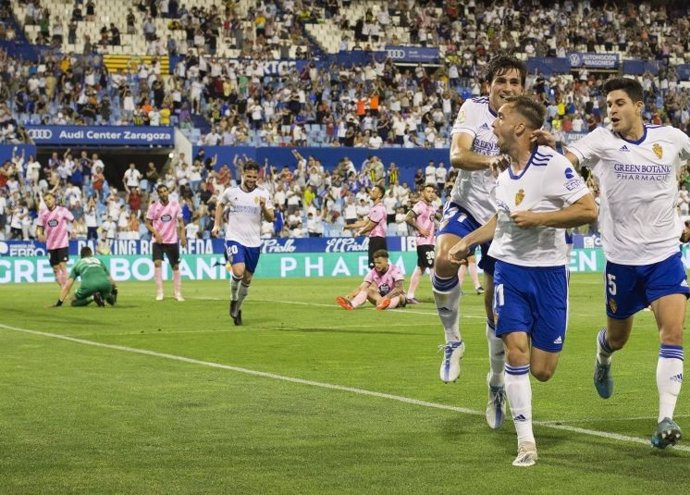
(543, 137)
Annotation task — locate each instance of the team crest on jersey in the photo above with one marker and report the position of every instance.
(519, 196)
(658, 150)
(256, 200)
(613, 306)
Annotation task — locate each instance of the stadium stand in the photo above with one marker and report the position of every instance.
(292, 73)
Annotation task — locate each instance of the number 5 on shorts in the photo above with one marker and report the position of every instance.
(611, 284)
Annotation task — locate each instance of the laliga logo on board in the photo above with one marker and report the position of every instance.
(275, 246)
(346, 245)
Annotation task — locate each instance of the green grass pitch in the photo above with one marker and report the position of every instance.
(306, 398)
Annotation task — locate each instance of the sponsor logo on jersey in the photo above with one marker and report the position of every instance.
(623, 148)
(519, 196)
(569, 173)
(613, 306)
(484, 127)
(573, 184)
(53, 223)
(166, 218)
(658, 150)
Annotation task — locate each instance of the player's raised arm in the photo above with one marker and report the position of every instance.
(582, 211)
(462, 156)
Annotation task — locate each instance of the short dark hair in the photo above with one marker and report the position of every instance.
(502, 64)
(631, 87)
(533, 111)
(381, 189)
(85, 252)
(250, 165)
(161, 186)
(380, 253)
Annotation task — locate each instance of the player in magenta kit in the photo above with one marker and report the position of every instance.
(382, 287)
(53, 222)
(164, 221)
(422, 217)
(375, 224)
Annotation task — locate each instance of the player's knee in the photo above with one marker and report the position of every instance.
(542, 374)
(616, 342)
(443, 267)
(517, 356)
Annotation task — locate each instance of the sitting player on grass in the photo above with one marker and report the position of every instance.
(382, 287)
(96, 283)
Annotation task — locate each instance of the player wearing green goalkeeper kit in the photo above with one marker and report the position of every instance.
(96, 283)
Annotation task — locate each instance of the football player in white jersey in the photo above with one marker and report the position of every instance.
(636, 165)
(246, 204)
(538, 196)
(473, 151)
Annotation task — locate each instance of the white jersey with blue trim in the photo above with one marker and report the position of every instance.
(548, 182)
(638, 190)
(243, 211)
(473, 190)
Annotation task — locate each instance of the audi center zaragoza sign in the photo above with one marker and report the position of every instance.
(101, 135)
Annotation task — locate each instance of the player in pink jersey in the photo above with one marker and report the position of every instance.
(164, 221)
(422, 217)
(53, 222)
(382, 287)
(374, 225)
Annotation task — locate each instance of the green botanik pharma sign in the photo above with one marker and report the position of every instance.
(282, 265)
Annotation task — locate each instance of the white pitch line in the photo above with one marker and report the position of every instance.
(328, 386)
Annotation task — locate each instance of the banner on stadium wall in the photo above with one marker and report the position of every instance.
(127, 247)
(273, 67)
(581, 241)
(413, 54)
(548, 65)
(101, 135)
(593, 60)
(7, 150)
(683, 71)
(639, 67)
(33, 269)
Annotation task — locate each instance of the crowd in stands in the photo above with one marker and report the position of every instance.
(373, 105)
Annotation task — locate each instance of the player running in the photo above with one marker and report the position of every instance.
(246, 205)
